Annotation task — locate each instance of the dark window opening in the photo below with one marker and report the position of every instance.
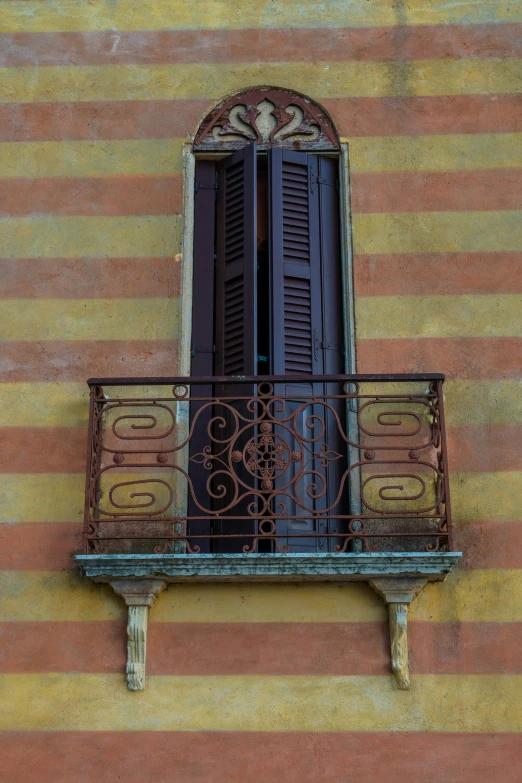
(263, 280)
(268, 301)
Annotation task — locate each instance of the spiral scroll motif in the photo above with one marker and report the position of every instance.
(268, 458)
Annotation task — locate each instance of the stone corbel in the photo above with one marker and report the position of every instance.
(398, 593)
(139, 595)
(139, 579)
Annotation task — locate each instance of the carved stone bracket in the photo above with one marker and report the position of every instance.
(139, 595)
(398, 594)
(139, 579)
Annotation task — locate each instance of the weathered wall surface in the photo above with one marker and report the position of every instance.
(258, 683)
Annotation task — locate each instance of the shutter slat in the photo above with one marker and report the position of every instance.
(298, 347)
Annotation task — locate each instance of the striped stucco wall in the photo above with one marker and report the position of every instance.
(256, 683)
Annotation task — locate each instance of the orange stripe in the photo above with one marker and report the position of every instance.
(87, 278)
(161, 195)
(101, 120)
(479, 447)
(42, 449)
(465, 648)
(53, 544)
(412, 116)
(489, 544)
(60, 360)
(40, 546)
(470, 358)
(435, 274)
(262, 45)
(124, 195)
(234, 757)
(485, 447)
(441, 191)
(173, 119)
(196, 649)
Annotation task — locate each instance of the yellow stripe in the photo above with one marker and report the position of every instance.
(483, 402)
(71, 237)
(57, 404)
(47, 596)
(468, 402)
(476, 596)
(101, 702)
(51, 497)
(44, 405)
(163, 156)
(56, 497)
(65, 15)
(46, 236)
(212, 81)
(89, 319)
(431, 232)
(486, 496)
(66, 404)
(466, 596)
(436, 153)
(90, 158)
(439, 316)
(29, 596)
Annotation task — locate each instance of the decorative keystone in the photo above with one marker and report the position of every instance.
(139, 595)
(398, 593)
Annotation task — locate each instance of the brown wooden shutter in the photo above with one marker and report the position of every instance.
(202, 363)
(333, 329)
(236, 314)
(295, 282)
(305, 285)
(236, 266)
(331, 273)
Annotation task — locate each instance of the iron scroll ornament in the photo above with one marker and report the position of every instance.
(267, 460)
(270, 117)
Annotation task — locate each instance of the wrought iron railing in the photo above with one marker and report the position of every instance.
(268, 464)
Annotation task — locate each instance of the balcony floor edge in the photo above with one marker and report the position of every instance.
(433, 566)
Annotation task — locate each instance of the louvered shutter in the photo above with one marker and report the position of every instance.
(333, 330)
(295, 282)
(236, 268)
(236, 313)
(305, 286)
(202, 364)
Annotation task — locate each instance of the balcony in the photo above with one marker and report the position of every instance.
(268, 478)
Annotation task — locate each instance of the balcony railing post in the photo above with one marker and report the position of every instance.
(88, 471)
(444, 451)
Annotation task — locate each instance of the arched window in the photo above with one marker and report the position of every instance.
(267, 270)
(268, 283)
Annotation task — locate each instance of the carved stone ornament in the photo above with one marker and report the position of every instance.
(270, 117)
(397, 577)
(139, 595)
(398, 595)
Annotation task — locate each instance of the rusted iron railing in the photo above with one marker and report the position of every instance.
(267, 464)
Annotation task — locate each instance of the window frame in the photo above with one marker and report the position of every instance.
(186, 260)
